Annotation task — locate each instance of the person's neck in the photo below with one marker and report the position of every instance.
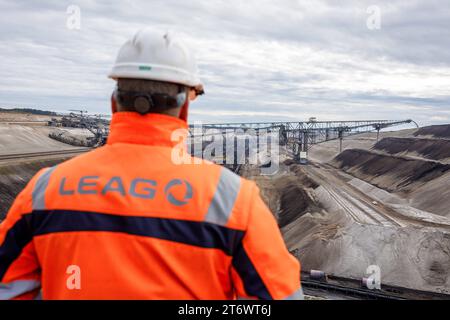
(149, 129)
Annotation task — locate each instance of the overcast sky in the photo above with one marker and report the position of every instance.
(259, 60)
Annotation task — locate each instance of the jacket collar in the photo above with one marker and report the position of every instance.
(150, 129)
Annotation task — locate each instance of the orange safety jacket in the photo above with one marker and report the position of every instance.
(127, 222)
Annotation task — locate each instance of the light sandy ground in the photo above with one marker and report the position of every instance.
(332, 240)
(26, 138)
(414, 254)
(16, 116)
(352, 224)
(433, 196)
(326, 151)
(330, 230)
(407, 256)
(22, 139)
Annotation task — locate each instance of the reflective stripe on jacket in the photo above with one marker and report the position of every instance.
(126, 222)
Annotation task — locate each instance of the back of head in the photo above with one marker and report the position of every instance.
(155, 73)
(148, 96)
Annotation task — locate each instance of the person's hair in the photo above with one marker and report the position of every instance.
(149, 87)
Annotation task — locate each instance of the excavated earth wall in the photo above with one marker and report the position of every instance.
(434, 149)
(388, 172)
(14, 177)
(439, 131)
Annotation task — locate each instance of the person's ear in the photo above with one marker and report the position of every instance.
(192, 94)
(195, 92)
(113, 103)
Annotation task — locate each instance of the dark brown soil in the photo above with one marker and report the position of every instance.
(288, 195)
(13, 179)
(303, 179)
(439, 131)
(294, 200)
(389, 172)
(435, 149)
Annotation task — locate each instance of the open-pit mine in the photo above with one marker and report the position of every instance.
(344, 205)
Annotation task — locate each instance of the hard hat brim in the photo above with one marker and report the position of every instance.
(154, 72)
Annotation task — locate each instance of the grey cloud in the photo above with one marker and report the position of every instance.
(259, 59)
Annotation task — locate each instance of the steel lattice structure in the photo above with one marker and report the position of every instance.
(301, 135)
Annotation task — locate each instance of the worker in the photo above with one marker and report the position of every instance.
(126, 221)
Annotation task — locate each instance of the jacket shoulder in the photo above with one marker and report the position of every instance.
(232, 199)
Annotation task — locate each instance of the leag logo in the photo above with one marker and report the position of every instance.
(178, 201)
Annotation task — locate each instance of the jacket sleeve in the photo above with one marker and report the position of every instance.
(19, 266)
(263, 268)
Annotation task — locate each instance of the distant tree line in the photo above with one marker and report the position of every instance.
(29, 110)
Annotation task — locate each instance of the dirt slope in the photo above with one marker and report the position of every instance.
(407, 257)
(324, 237)
(14, 177)
(21, 139)
(389, 172)
(286, 194)
(326, 151)
(439, 131)
(433, 197)
(429, 148)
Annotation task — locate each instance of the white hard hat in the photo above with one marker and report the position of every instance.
(156, 56)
